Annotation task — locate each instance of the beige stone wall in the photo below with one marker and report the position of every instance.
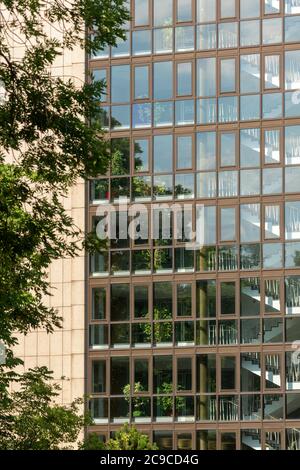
(63, 351)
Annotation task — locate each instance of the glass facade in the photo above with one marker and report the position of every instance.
(195, 344)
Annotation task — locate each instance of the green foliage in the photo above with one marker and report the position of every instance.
(129, 438)
(92, 442)
(139, 404)
(50, 136)
(29, 420)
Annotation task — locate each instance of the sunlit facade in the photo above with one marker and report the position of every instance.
(198, 347)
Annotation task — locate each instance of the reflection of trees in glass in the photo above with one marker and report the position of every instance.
(296, 258)
(142, 260)
(162, 259)
(141, 186)
(138, 162)
(163, 331)
(165, 403)
(140, 405)
(120, 149)
(182, 191)
(120, 188)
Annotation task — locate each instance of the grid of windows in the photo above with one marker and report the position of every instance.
(201, 104)
(200, 91)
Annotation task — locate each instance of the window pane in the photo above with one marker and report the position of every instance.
(272, 146)
(272, 105)
(292, 225)
(141, 302)
(141, 367)
(228, 74)
(292, 7)
(206, 10)
(163, 153)
(250, 222)
(250, 107)
(250, 73)
(272, 71)
(184, 152)
(163, 12)
(141, 12)
(141, 82)
(184, 38)
(206, 77)
(206, 299)
(184, 373)
(250, 331)
(292, 70)
(293, 406)
(272, 7)
(228, 183)
(206, 37)
(250, 372)
(99, 376)
(162, 300)
(120, 117)
(162, 374)
(249, 9)
(120, 83)
(228, 298)
(272, 256)
(249, 182)
(272, 371)
(272, 222)
(141, 155)
(184, 300)
(184, 79)
(184, 10)
(206, 373)
(272, 31)
(141, 42)
(292, 28)
(250, 297)
(228, 226)
(163, 40)
(228, 149)
(206, 224)
(184, 186)
(227, 8)
(122, 49)
(272, 296)
(273, 330)
(119, 305)
(251, 408)
(272, 181)
(228, 373)
(98, 303)
(163, 79)
(228, 35)
(206, 151)
(250, 147)
(119, 375)
(249, 33)
(292, 145)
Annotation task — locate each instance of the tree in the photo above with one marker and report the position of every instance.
(50, 135)
(29, 420)
(129, 438)
(92, 442)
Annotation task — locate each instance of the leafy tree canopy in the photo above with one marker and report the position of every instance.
(49, 137)
(127, 438)
(29, 420)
